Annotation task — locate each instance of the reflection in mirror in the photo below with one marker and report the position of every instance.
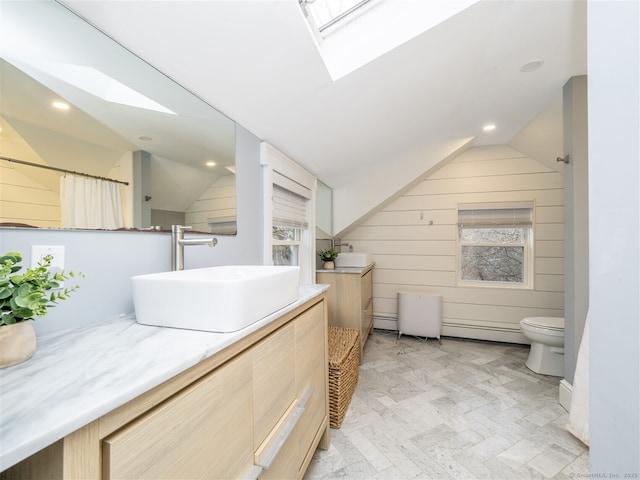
(324, 217)
(173, 156)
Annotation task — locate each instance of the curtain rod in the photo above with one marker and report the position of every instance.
(22, 162)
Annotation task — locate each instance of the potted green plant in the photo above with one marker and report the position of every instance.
(23, 297)
(328, 256)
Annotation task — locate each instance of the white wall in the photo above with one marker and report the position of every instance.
(614, 214)
(109, 259)
(576, 200)
(355, 201)
(412, 255)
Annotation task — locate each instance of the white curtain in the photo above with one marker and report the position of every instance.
(90, 203)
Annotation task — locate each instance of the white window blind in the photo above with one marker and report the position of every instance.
(495, 214)
(289, 209)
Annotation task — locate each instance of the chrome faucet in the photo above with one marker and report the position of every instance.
(178, 243)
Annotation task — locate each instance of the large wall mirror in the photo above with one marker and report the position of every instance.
(172, 156)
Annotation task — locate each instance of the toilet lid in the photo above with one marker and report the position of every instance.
(555, 323)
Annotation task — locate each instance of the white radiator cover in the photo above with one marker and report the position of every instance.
(420, 314)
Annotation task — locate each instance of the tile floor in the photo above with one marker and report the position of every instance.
(463, 409)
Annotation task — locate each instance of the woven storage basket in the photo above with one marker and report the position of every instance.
(344, 360)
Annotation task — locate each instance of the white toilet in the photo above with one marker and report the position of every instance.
(547, 344)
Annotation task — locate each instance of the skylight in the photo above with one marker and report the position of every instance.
(326, 13)
(352, 33)
(97, 83)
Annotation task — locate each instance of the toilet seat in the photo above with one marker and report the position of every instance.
(548, 323)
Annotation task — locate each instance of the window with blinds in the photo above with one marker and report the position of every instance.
(290, 218)
(289, 208)
(495, 244)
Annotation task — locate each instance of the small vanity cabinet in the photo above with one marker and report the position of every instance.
(350, 299)
(257, 409)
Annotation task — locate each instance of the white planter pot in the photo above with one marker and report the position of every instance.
(17, 343)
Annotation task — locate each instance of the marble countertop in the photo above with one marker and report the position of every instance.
(359, 270)
(76, 376)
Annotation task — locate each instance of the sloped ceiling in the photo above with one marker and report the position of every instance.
(257, 62)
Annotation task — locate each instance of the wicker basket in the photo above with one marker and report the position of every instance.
(344, 360)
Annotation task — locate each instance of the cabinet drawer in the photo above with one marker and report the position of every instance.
(204, 432)
(311, 372)
(303, 420)
(274, 380)
(366, 289)
(283, 467)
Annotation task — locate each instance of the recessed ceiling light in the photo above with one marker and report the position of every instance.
(531, 66)
(488, 128)
(60, 105)
(210, 164)
(144, 138)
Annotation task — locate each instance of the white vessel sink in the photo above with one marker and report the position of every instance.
(215, 299)
(353, 259)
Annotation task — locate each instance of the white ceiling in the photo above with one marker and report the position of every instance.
(257, 62)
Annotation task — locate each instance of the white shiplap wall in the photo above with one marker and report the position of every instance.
(412, 255)
(217, 202)
(23, 200)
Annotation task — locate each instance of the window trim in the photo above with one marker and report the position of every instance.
(278, 168)
(528, 244)
(295, 242)
(342, 18)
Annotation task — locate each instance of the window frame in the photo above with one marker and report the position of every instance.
(297, 241)
(310, 10)
(281, 170)
(528, 243)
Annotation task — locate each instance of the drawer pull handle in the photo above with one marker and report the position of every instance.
(284, 434)
(253, 473)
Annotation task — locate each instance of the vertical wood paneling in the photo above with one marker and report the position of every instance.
(413, 240)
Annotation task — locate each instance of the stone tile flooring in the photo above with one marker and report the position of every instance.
(463, 409)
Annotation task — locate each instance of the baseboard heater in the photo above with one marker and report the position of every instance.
(460, 330)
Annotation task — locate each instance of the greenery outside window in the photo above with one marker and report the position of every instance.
(496, 244)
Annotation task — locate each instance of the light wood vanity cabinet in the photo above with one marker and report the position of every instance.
(311, 382)
(262, 401)
(274, 381)
(308, 409)
(205, 431)
(350, 300)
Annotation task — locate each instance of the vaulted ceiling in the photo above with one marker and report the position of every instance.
(373, 132)
(257, 62)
